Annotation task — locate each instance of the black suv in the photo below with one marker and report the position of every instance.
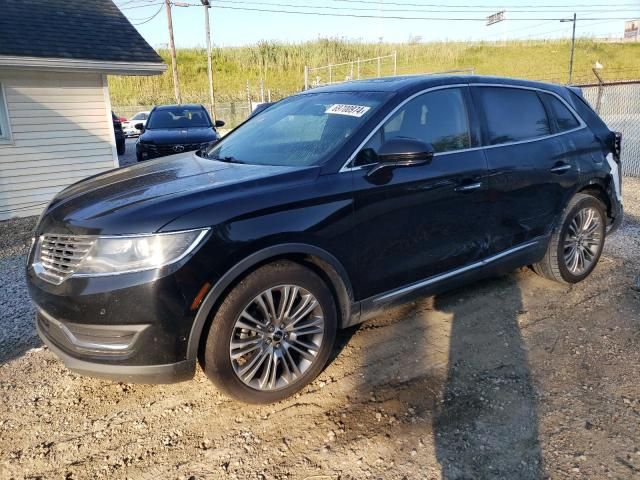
(313, 216)
(172, 129)
(119, 134)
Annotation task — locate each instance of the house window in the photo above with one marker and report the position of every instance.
(5, 132)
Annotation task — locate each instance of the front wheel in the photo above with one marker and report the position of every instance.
(576, 244)
(272, 335)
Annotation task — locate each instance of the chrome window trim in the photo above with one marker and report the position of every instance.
(346, 168)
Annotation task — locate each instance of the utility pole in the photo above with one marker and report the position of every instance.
(172, 46)
(573, 46)
(207, 6)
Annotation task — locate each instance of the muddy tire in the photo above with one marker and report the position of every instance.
(576, 243)
(272, 335)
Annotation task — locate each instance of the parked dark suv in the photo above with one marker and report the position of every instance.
(172, 129)
(313, 216)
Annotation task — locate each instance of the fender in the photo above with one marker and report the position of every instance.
(245, 265)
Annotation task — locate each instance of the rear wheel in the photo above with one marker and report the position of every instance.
(576, 245)
(272, 335)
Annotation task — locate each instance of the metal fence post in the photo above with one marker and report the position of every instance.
(358, 68)
(378, 66)
(306, 77)
(249, 97)
(600, 90)
(395, 63)
(330, 74)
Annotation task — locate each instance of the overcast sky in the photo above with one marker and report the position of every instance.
(231, 26)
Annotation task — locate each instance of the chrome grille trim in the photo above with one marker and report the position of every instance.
(58, 256)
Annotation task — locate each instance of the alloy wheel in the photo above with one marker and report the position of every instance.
(277, 337)
(583, 240)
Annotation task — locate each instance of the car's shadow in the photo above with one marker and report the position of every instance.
(479, 404)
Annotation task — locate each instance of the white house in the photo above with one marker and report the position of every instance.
(55, 113)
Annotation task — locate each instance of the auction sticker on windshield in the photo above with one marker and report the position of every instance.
(351, 110)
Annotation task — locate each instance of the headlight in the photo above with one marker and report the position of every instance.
(120, 254)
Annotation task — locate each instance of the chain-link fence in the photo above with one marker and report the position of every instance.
(618, 104)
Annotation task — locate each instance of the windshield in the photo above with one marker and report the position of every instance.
(178, 117)
(300, 130)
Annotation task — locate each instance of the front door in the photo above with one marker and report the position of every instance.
(415, 222)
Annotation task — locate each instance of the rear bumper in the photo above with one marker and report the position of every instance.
(167, 373)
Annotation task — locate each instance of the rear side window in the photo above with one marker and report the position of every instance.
(565, 120)
(512, 114)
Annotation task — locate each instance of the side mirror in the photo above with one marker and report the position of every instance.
(402, 152)
(140, 126)
(219, 123)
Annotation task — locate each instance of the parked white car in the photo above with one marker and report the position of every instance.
(129, 127)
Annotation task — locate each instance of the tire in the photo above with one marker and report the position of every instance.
(138, 157)
(262, 345)
(121, 148)
(558, 264)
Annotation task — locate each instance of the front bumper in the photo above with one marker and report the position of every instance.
(129, 327)
(166, 373)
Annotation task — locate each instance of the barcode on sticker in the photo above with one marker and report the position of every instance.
(351, 110)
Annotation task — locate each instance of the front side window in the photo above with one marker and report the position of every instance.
(512, 114)
(565, 120)
(301, 130)
(439, 118)
(5, 135)
(178, 117)
(139, 116)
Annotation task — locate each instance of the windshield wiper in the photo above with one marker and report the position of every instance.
(228, 159)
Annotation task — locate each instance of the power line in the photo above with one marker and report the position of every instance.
(386, 10)
(489, 6)
(386, 17)
(150, 18)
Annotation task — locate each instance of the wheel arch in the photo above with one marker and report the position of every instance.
(323, 263)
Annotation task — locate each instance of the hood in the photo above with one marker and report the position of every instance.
(171, 136)
(144, 197)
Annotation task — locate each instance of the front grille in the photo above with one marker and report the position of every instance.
(168, 149)
(58, 256)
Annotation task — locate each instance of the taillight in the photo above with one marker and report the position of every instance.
(617, 146)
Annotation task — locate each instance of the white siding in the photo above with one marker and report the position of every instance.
(61, 132)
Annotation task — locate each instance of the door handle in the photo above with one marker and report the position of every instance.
(560, 168)
(468, 187)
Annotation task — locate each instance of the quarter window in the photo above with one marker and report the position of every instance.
(512, 114)
(5, 134)
(438, 117)
(565, 120)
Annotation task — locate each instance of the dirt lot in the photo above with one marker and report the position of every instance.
(514, 377)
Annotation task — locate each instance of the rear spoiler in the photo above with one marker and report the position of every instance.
(576, 90)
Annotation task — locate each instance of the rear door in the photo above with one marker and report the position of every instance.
(530, 173)
(415, 222)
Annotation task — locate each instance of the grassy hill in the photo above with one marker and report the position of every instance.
(281, 65)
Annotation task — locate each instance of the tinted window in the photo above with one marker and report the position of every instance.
(512, 114)
(439, 118)
(565, 120)
(178, 117)
(139, 116)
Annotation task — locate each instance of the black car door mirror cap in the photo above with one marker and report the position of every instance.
(402, 152)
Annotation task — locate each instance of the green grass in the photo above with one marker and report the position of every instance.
(281, 65)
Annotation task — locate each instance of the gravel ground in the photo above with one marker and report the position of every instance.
(514, 377)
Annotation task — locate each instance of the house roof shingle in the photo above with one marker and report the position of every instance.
(71, 29)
